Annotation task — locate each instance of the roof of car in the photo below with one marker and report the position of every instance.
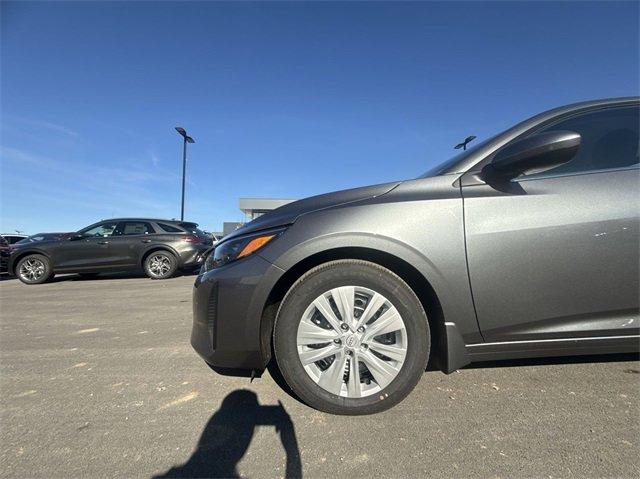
(155, 220)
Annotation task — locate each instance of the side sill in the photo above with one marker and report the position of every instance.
(553, 347)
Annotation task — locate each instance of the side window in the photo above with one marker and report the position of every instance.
(129, 228)
(169, 228)
(610, 140)
(103, 229)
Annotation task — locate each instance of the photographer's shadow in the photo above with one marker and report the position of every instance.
(228, 434)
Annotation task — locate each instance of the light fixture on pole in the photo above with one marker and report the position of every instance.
(186, 139)
(466, 141)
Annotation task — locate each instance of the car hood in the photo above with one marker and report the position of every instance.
(288, 213)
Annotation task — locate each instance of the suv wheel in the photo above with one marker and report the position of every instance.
(34, 269)
(160, 265)
(351, 337)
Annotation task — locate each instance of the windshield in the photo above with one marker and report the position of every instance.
(446, 165)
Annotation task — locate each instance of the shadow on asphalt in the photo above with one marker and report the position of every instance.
(108, 276)
(101, 276)
(228, 434)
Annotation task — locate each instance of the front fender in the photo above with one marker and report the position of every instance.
(16, 255)
(449, 281)
(363, 240)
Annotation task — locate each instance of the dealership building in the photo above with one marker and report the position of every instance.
(253, 208)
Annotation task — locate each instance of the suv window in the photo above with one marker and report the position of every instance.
(610, 140)
(129, 228)
(103, 229)
(193, 229)
(169, 228)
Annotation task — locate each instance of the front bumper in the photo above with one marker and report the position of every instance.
(228, 303)
(4, 262)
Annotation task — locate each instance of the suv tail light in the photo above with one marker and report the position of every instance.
(192, 239)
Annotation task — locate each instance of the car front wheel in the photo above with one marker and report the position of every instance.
(34, 269)
(351, 337)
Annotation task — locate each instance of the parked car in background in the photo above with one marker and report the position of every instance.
(44, 237)
(525, 245)
(158, 247)
(5, 249)
(13, 238)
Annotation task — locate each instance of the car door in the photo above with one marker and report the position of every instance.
(88, 249)
(556, 254)
(129, 240)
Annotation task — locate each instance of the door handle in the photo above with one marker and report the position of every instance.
(146, 241)
(103, 242)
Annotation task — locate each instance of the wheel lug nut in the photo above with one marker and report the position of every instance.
(349, 352)
(365, 347)
(344, 326)
(361, 329)
(337, 341)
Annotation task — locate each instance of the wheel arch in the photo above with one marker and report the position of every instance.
(13, 261)
(154, 249)
(439, 354)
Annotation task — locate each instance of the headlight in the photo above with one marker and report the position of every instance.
(237, 248)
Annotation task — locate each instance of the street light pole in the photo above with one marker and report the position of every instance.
(184, 174)
(186, 139)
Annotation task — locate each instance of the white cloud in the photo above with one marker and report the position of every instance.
(20, 156)
(49, 126)
(88, 186)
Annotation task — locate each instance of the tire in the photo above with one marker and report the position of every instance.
(390, 355)
(160, 265)
(34, 269)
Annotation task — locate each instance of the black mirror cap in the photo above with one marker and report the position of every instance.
(534, 154)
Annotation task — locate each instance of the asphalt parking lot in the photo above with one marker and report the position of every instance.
(98, 380)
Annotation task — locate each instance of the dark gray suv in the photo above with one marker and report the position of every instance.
(159, 247)
(524, 245)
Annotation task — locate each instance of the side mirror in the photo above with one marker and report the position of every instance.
(534, 154)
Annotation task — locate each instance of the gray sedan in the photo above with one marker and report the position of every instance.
(524, 245)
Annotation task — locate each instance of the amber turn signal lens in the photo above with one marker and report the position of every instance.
(255, 244)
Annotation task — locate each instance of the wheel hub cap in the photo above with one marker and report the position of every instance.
(352, 341)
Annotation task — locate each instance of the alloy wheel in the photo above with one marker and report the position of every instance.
(159, 265)
(352, 341)
(32, 270)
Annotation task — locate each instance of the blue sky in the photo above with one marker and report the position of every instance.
(283, 99)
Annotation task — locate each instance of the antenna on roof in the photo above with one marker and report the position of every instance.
(463, 145)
